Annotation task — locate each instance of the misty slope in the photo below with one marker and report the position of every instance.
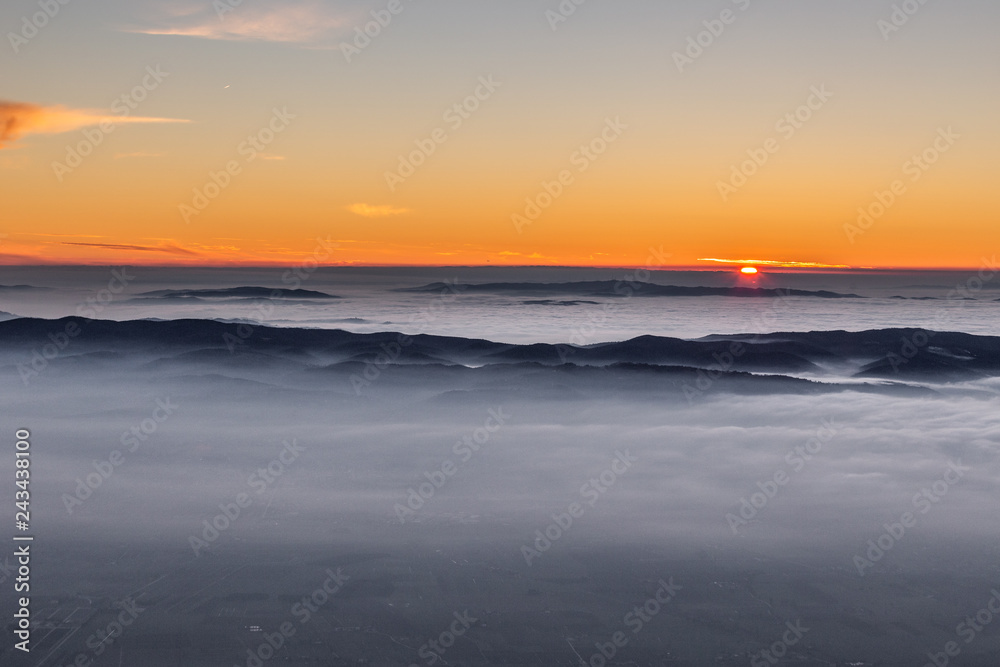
(894, 354)
(702, 441)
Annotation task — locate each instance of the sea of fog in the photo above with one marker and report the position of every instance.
(371, 301)
(208, 495)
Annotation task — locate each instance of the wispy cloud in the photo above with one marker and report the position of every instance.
(511, 253)
(166, 247)
(18, 119)
(305, 21)
(775, 262)
(64, 236)
(369, 211)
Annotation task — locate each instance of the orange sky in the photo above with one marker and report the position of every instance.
(313, 143)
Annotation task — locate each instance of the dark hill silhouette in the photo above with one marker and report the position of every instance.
(611, 288)
(941, 356)
(244, 292)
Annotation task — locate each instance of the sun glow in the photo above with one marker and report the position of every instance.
(749, 270)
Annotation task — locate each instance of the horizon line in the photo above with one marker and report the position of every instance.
(666, 268)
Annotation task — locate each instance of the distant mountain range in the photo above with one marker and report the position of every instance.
(241, 292)
(594, 288)
(888, 354)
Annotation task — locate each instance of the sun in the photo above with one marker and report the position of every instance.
(749, 270)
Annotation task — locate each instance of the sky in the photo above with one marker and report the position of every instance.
(847, 133)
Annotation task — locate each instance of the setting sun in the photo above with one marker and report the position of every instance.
(749, 270)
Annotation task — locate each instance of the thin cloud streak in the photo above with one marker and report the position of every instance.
(369, 211)
(302, 22)
(18, 119)
(168, 248)
(774, 262)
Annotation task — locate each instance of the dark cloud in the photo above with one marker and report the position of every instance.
(172, 249)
